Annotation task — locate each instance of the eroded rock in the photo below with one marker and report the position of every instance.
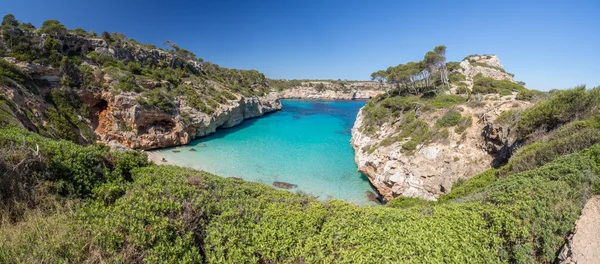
(284, 185)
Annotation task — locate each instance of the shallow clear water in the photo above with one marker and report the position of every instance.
(307, 144)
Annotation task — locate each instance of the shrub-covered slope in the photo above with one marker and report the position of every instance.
(62, 202)
(131, 212)
(423, 135)
(79, 86)
(66, 203)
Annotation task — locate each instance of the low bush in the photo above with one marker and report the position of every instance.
(560, 108)
(457, 77)
(404, 202)
(160, 99)
(569, 138)
(450, 118)
(528, 95)
(463, 189)
(464, 123)
(485, 85)
(165, 213)
(445, 100)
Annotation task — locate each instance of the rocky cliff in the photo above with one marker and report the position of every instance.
(333, 90)
(121, 93)
(448, 154)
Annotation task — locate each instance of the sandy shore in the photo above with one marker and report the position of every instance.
(157, 159)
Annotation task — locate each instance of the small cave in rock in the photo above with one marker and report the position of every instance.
(157, 127)
(99, 111)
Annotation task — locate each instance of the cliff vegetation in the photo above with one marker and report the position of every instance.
(66, 199)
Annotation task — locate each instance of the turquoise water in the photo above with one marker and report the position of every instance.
(307, 143)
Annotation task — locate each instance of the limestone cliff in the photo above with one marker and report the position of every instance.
(118, 92)
(448, 155)
(484, 66)
(333, 90)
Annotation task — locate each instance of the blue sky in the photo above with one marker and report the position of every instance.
(547, 44)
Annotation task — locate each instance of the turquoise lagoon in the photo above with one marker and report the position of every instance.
(307, 143)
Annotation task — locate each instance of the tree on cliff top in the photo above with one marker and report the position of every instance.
(53, 27)
(9, 21)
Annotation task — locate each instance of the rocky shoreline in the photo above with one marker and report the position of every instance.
(311, 93)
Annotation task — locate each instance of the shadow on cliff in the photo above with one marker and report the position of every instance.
(222, 132)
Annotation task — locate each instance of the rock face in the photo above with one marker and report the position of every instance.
(488, 65)
(582, 247)
(122, 120)
(334, 91)
(103, 111)
(431, 169)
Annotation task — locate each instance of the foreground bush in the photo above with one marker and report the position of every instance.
(140, 213)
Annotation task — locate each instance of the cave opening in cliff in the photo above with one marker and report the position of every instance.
(99, 111)
(158, 126)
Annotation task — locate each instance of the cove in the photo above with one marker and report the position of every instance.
(307, 143)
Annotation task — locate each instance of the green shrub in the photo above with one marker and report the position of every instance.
(463, 189)
(445, 100)
(450, 118)
(528, 95)
(596, 188)
(457, 77)
(560, 108)
(382, 109)
(464, 123)
(129, 84)
(160, 99)
(569, 138)
(485, 85)
(410, 145)
(509, 117)
(13, 77)
(404, 202)
(174, 214)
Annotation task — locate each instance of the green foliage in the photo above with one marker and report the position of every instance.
(129, 84)
(453, 65)
(528, 95)
(9, 20)
(383, 108)
(509, 118)
(410, 145)
(80, 32)
(457, 77)
(596, 188)
(404, 202)
(13, 77)
(53, 27)
(463, 189)
(450, 118)
(445, 100)
(160, 99)
(103, 60)
(71, 75)
(485, 85)
(74, 170)
(464, 123)
(281, 84)
(485, 65)
(560, 108)
(567, 139)
(165, 214)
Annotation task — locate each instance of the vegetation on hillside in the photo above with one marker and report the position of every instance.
(319, 85)
(418, 77)
(131, 212)
(158, 77)
(63, 202)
